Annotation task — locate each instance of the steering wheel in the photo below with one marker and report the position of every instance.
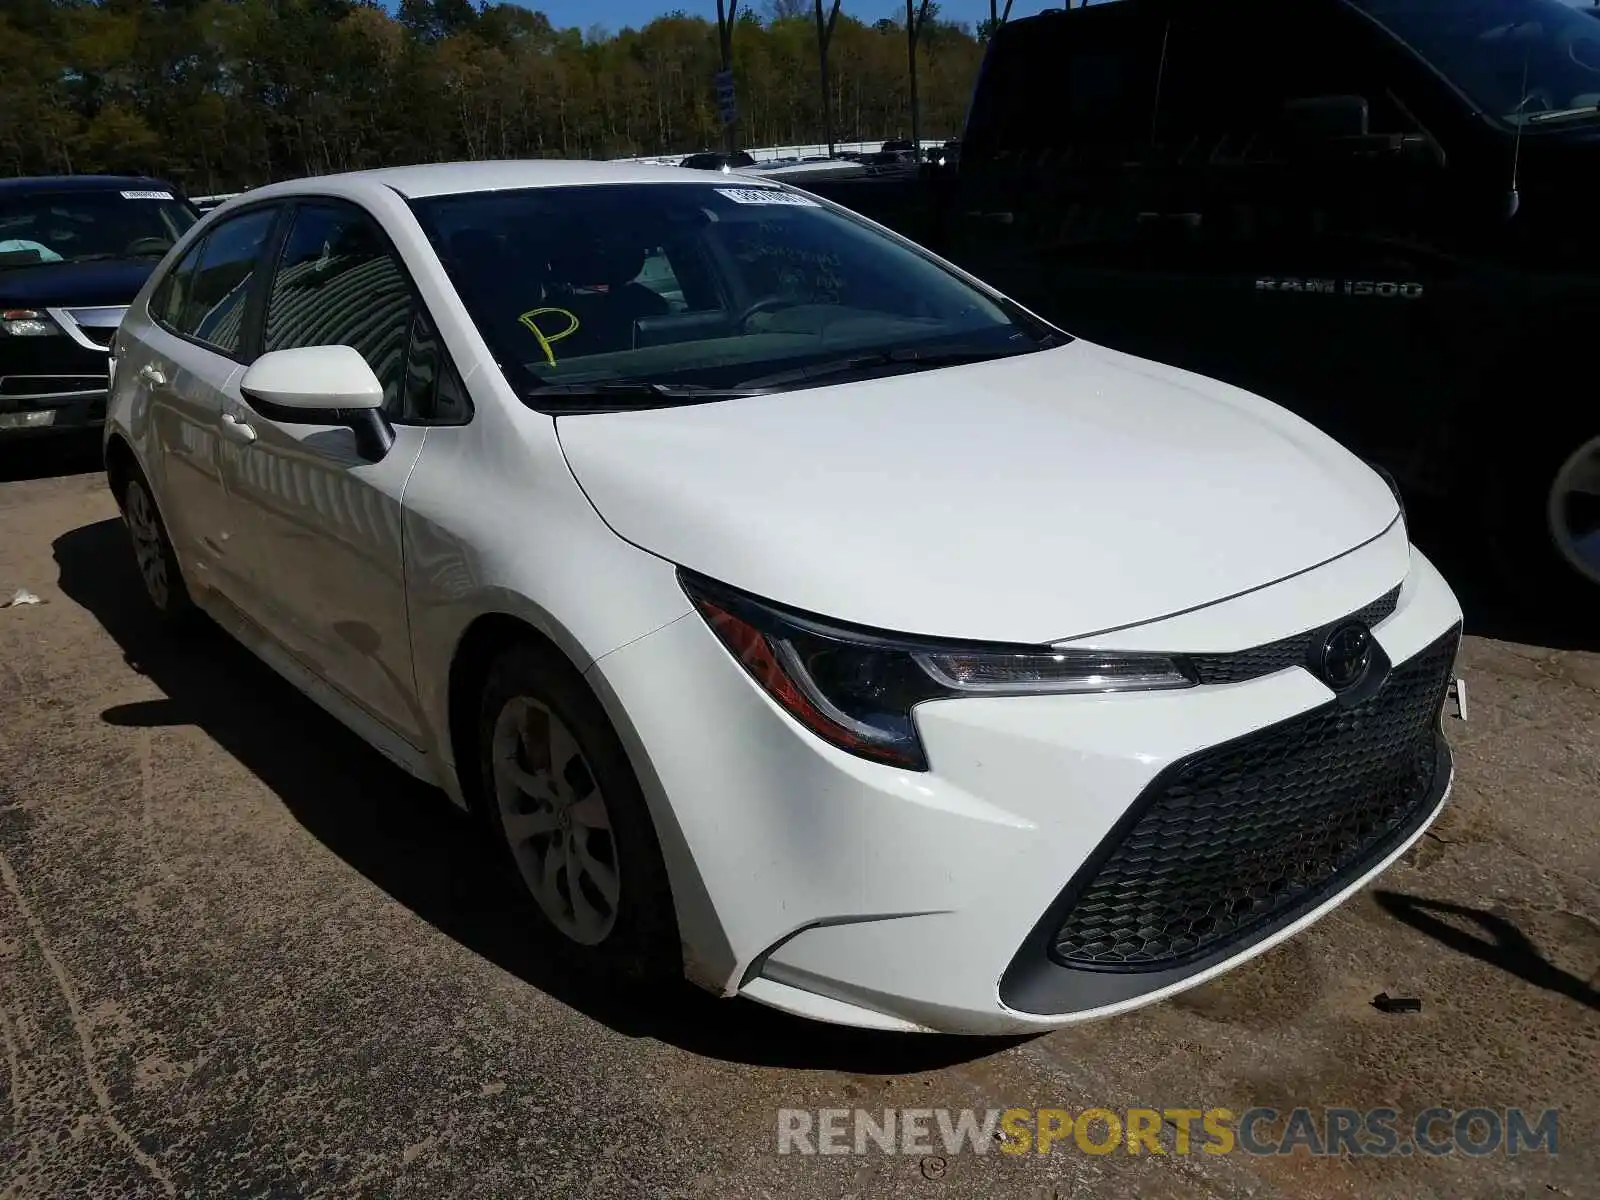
(763, 304)
(146, 245)
(1581, 46)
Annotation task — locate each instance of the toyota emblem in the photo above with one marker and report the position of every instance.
(1346, 655)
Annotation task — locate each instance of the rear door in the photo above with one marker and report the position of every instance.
(185, 366)
(1047, 207)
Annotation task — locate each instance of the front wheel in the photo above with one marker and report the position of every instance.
(560, 792)
(1572, 510)
(1542, 508)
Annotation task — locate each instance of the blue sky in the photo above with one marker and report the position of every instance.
(614, 14)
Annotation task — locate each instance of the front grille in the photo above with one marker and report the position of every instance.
(44, 387)
(1260, 829)
(97, 326)
(1286, 652)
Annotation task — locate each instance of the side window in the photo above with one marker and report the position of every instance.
(339, 284)
(213, 311)
(1077, 91)
(657, 275)
(434, 393)
(167, 303)
(1223, 99)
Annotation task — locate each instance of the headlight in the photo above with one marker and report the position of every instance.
(27, 322)
(856, 688)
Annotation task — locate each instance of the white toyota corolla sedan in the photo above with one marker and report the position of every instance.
(804, 616)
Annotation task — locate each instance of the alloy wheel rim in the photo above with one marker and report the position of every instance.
(556, 821)
(146, 535)
(1574, 510)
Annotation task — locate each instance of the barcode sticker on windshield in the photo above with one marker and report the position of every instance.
(147, 195)
(767, 196)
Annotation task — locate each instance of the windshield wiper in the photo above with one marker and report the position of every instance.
(1560, 114)
(618, 394)
(903, 356)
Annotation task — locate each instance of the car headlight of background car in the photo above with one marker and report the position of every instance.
(27, 322)
(855, 688)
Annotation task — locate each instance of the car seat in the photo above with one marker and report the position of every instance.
(597, 281)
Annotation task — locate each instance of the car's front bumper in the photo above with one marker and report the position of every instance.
(60, 382)
(53, 414)
(828, 886)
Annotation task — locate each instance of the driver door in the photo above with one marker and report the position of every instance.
(320, 525)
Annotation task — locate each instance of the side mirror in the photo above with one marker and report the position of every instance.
(1325, 118)
(321, 385)
(1339, 128)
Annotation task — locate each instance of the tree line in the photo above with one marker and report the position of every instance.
(220, 95)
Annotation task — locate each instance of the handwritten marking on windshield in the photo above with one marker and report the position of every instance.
(547, 340)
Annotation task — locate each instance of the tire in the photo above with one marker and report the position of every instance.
(566, 807)
(1542, 509)
(153, 554)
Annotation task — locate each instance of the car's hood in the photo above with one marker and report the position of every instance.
(107, 281)
(1032, 499)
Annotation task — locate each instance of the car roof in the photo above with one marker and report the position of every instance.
(448, 179)
(81, 183)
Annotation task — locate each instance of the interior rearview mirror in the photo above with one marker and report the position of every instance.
(321, 385)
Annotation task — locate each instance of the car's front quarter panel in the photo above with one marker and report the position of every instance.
(495, 524)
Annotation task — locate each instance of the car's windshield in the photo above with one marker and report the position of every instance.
(1534, 63)
(75, 226)
(713, 285)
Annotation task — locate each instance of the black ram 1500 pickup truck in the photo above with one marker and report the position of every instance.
(1375, 212)
(74, 250)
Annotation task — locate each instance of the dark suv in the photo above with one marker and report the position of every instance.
(74, 250)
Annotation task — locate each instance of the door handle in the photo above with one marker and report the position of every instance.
(152, 375)
(235, 429)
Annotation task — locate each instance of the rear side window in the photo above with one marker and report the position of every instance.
(167, 304)
(204, 297)
(659, 275)
(1079, 85)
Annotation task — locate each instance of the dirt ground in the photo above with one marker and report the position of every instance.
(241, 955)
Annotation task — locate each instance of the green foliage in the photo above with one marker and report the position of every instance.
(225, 94)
